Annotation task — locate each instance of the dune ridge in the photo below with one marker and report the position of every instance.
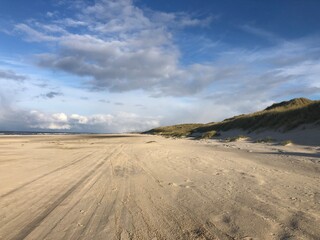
(281, 118)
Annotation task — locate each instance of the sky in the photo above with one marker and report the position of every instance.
(111, 66)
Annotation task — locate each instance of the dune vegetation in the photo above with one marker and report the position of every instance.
(180, 130)
(282, 117)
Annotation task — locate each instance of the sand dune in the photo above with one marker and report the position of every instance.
(149, 187)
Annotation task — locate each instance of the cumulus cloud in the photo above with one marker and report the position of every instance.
(16, 119)
(39, 120)
(121, 48)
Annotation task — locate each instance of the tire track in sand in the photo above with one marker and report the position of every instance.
(24, 232)
(44, 175)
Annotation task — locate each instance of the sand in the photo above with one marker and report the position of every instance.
(308, 135)
(150, 187)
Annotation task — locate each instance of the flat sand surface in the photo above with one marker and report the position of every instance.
(149, 187)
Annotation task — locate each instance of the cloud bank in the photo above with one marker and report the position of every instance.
(107, 123)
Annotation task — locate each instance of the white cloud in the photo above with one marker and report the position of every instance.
(69, 22)
(38, 120)
(262, 33)
(15, 119)
(33, 35)
(122, 48)
(60, 117)
(79, 119)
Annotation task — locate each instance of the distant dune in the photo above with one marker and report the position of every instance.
(290, 118)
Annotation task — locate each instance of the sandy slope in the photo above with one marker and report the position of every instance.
(149, 187)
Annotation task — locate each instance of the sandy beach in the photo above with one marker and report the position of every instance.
(150, 187)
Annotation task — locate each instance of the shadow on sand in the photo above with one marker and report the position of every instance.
(297, 154)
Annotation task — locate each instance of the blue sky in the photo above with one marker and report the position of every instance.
(130, 65)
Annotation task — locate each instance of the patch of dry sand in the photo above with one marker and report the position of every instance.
(148, 187)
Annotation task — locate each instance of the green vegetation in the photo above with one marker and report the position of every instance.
(286, 143)
(210, 134)
(181, 130)
(282, 116)
(236, 138)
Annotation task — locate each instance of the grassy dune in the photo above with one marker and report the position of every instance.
(181, 130)
(282, 117)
